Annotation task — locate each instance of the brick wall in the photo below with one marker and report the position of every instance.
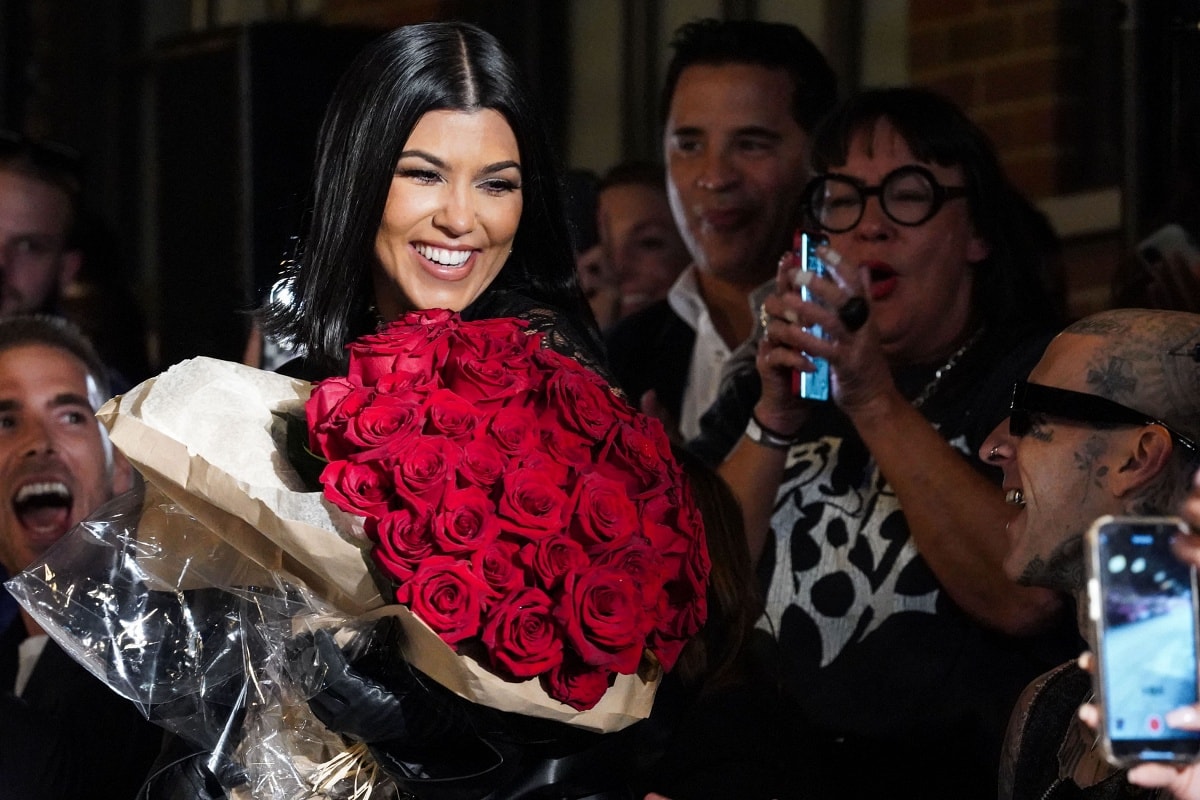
(1042, 78)
(1027, 71)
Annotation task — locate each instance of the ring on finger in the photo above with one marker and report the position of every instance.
(853, 313)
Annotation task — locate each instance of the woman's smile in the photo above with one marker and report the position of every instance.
(449, 264)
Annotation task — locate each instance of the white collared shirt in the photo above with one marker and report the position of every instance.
(30, 650)
(709, 354)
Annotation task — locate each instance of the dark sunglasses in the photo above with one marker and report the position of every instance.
(1033, 398)
(42, 153)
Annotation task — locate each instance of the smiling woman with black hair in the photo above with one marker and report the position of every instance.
(434, 188)
(430, 153)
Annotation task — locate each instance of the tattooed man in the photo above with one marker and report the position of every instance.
(1066, 461)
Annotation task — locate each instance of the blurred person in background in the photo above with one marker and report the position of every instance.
(638, 237)
(56, 258)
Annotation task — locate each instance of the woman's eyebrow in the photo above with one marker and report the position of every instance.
(430, 157)
(500, 166)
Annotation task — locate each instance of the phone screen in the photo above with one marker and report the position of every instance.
(1148, 641)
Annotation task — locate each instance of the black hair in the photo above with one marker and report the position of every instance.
(390, 85)
(52, 163)
(774, 45)
(635, 172)
(25, 329)
(1014, 286)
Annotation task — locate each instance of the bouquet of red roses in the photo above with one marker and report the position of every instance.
(521, 509)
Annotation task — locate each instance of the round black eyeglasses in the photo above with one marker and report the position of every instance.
(1034, 398)
(908, 196)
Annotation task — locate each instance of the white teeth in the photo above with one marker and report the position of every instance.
(446, 258)
(39, 489)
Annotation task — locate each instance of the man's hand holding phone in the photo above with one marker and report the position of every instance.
(1181, 780)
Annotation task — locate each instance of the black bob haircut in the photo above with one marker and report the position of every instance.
(390, 85)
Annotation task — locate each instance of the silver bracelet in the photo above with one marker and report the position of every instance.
(761, 434)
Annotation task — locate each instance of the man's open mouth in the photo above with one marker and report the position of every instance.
(43, 506)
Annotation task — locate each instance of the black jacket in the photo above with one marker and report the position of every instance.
(68, 735)
(652, 349)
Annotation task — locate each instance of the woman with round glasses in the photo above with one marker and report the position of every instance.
(880, 533)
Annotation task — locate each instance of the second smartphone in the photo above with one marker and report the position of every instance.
(1142, 601)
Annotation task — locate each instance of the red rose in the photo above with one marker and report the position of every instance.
(491, 371)
(514, 430)
(384, 420)
(641, 562)
(330, 408)
(403, 540)
(521, 636)
(447, 596)
(637, 454)
(361, 489)
(568, 449)
(496, 563)
(576, 398)
(602, 511)
(605, 621)
(407, 384)
(554, 470)
(467, 520)
(532, 505)
(685, 609)
(501, 329)
(416, 343)
(427, 468)
(481, 464)
(576, 684)
(451, 415)
(663, 537)
(553, 557)
(679, 622)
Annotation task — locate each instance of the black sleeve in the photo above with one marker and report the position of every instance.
(34, 762)
(725, 421)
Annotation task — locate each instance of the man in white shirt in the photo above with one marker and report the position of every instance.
(740, 100)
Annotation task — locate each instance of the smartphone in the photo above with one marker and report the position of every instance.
(811, 385)
(1142, 602)
(1167, 241)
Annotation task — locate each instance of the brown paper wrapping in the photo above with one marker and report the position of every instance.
(205, 434)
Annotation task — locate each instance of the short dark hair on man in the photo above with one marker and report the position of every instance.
(637, 173)
(774, 45)
(50, 163)
(392, 83)
(43, 329)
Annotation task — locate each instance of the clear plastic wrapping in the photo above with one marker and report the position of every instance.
(194, 635)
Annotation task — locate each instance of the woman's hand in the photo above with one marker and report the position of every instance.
(860, 371)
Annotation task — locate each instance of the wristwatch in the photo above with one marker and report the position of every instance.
(760, 434)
